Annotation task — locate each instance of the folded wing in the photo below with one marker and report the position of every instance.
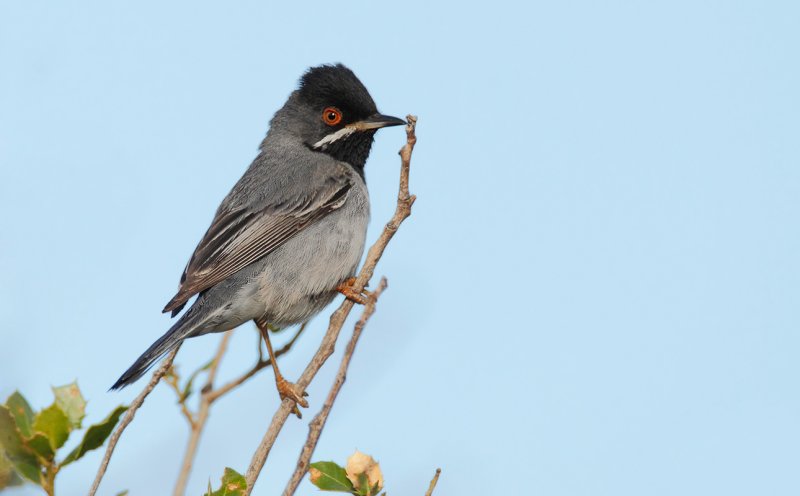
(240, 236)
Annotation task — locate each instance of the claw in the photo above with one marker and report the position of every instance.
(289, 390)
(346, 288)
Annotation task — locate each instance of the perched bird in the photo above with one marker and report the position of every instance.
(291, 232)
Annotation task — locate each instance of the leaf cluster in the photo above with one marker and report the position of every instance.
(361, 477)
(233, 484)
(30, 441)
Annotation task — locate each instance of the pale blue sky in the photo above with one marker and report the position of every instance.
(597, 293)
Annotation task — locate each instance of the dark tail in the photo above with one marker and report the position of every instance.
(166, 343)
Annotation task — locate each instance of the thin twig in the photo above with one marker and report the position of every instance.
(432, 485)
(316, 425)
(209, 395)
(212, 372)
(403, 210)
(260, 364)
(137, 402)
(199, 421)
(171, 379)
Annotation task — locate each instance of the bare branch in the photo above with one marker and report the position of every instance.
(402, 211)
(260, 364)
(171, 379)
(432, 485)
(199, 421)
(137, 402)
(209, 395)
(212, 372)
(316, 425)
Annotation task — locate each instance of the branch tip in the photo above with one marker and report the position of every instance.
(432, 485)
(337, 319)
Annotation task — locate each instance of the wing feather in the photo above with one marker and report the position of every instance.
(239, 237)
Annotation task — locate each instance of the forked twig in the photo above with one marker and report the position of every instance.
(198, 422)
(316, 425)
(209, 395)
(171, 379)
(260, 364)
(404, 202)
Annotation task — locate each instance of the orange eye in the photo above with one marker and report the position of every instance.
(332, 116)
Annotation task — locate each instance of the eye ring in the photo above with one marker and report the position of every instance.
(331, 116)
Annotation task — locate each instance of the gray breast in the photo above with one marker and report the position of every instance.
(299, 279)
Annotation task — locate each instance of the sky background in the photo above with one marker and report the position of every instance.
(597, 293)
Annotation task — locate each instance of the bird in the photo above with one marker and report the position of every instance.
(289, 235)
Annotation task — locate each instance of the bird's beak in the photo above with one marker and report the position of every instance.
(376, 121)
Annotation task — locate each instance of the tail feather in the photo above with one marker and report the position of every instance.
(163, 345)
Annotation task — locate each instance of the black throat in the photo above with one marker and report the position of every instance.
(353, 149)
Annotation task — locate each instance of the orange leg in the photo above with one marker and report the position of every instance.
(286, 389)
(346, 288)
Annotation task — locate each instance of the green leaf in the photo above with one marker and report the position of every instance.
(363, 488)
(8, 476)
(95, 436)
(329, 476)
(11, 444)
(71, 402)
(40, 445)
(122, 493)
(53, 423)
(22, 413)
(233, 484)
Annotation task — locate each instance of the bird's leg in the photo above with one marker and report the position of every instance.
(346, 288)
(286, 389)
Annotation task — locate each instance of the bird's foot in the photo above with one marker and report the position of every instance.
(291, 391)
(346, 288)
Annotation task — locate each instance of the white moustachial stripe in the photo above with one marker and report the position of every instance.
(327, 140)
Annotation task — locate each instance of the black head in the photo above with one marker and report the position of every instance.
(333, 113)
